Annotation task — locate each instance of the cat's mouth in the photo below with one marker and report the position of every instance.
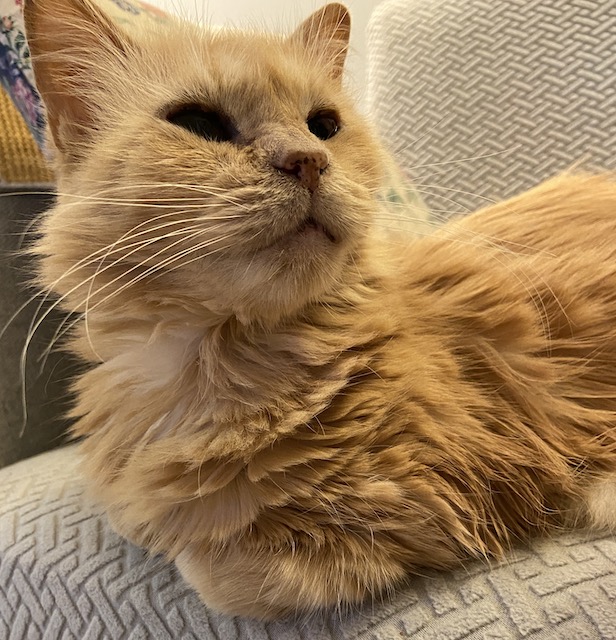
(312, 226)
(309, 232)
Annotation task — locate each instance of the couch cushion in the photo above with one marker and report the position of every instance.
(47, 380)
(482, 99)
(65, 574)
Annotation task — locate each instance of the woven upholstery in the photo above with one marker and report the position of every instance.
(21, 161)
(65, 574)
(524, 88)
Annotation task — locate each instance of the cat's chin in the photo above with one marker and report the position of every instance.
(294, 286)
(311, 230)
(283, 275)
(310, 223)
(283, 278)
(309, 235)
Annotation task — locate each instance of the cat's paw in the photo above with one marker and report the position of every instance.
(271, 584)
(600, 505)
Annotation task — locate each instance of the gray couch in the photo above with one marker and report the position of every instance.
(46, 387)
(449, 79)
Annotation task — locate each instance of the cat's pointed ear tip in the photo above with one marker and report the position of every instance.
(343, 14)
(28, 8)
(35, 10)
(33, 7)
(337, 6)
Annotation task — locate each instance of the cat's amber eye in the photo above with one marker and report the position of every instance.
(209, 125)
(324, 124)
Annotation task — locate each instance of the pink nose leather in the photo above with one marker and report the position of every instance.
(307, 166)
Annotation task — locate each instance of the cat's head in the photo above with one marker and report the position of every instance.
(220, 169)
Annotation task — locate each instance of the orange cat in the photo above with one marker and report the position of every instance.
(296, 410)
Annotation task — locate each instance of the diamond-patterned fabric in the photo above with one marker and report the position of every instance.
(482, 99)
(65, 575)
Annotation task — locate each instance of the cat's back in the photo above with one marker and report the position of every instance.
(557, 239)
(530, 280)
(569, 213)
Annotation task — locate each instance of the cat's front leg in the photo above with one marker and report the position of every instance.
(270, 583)
(600, 503)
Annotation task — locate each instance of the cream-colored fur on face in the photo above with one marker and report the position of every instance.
(297, 422)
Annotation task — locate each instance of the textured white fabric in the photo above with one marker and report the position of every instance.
(64, 574)
(486, 98)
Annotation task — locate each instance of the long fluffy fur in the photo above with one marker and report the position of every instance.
(303, 426)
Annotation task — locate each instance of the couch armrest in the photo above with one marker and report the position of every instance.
(46, 387)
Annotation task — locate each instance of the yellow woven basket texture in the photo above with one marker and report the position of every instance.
(21, 161)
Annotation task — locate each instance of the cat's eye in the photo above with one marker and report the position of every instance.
(210, 125)
(324, 124)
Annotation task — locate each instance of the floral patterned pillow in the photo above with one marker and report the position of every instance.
(15, 69)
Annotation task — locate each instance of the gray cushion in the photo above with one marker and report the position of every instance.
(485, 98)
(65, 574)
(46, 387)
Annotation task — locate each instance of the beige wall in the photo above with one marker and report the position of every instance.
(277, 15)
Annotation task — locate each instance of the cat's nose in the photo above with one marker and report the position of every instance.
(307, 166)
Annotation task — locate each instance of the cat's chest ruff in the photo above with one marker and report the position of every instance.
(156, 361)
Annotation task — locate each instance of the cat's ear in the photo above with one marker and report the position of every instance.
(74, 48)
(326, 34)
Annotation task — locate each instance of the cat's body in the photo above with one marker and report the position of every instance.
(303, 422)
